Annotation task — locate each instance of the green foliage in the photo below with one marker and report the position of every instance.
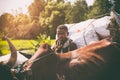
(117, 5)
(100, 7)
(79, 11)
(52, 16)
(42, 38)
(115, 31)
(68, 11)
(4, 49)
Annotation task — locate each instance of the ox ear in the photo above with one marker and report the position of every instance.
(13, 58)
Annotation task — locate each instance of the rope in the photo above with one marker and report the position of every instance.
(26, 64)
(106, 14)
(85, 31)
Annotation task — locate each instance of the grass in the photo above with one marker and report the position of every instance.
(19, 44)
(27, 45)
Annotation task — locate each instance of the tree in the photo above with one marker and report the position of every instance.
(6, 23)
(79, 11)
(22, 19)
(117, 5)
(35, 8)
(68, 11)
(100, 7)
(52, 16)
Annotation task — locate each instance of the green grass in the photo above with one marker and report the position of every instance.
(19, 44)
(27, 45)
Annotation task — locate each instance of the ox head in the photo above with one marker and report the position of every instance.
(5, 66)
(39, 62)
(43, 50)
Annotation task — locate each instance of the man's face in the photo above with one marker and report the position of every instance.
(61, 34)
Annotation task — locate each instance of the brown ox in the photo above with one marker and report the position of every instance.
(97, 61)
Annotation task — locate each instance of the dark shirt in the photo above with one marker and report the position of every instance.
(65, 46)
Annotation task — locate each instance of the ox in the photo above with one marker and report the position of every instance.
(97, 61)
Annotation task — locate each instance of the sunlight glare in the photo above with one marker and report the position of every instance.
(90, 2)
(14, 6)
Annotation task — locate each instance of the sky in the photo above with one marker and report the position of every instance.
(14, 6)
(21, 6)
(89, 2)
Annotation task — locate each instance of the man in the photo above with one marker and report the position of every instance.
(63, 43)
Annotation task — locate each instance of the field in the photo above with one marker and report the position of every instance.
(28, 46)
(19, 44)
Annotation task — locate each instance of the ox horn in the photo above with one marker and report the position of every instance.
(13, 58)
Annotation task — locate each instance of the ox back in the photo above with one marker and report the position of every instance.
(110, 70)
(97, 61)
